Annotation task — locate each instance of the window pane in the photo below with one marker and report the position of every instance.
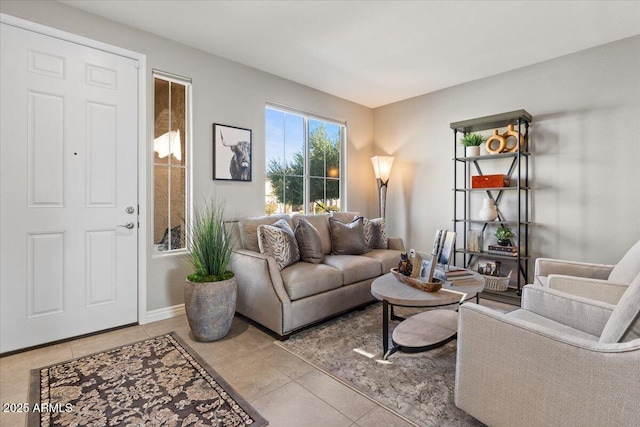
(160, 203)
(178, 125)
(316, 194)
(294, 196)
(177, 208)
(162, 123)
(294, 142)
(333, 194)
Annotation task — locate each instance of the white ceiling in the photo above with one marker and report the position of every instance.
(378, 52)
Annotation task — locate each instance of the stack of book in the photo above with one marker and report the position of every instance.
(455, 276)
(503, 250)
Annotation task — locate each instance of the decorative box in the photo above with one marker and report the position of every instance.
(490, 181)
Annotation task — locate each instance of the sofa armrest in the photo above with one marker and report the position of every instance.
(547, 266)
(597, 289)
(396, 243)
(580, 313)
(261, 292)
(559, 380)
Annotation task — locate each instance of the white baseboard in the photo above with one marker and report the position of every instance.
(165, 313)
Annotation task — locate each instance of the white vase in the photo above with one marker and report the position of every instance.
(472, 151)
(488, 211)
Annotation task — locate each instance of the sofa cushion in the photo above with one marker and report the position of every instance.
(309, 242)
(375, 234)
(629, 266)
(388, 258)
(321, 223)
(347, 239)
(345, 217)
(303, 279)
(354, 268)
(278, 241)
(624, 323)
(249, 229)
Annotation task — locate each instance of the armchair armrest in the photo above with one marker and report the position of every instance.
(577, 312)
(547, 266)
(596, 289)
(396, 243)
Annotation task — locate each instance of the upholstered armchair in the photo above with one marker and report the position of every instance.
(560, 360)
(602, 282)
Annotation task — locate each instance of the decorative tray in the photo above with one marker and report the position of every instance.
(418, 282)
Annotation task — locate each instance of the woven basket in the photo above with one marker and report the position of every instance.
(496, 283)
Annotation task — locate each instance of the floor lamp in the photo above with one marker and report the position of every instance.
(382, 169)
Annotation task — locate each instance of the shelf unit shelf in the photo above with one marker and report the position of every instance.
(465, 197)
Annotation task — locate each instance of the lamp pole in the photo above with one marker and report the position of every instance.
(382, 169)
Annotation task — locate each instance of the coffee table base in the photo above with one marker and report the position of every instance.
(424, 331)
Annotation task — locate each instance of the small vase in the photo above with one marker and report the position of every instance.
(504, 242)
(472, 151)
(488, 211)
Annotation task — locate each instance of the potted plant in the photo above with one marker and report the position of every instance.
(503, 234)
(210, 292)
(472, 142)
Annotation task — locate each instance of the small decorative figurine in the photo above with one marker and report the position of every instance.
(404, 266)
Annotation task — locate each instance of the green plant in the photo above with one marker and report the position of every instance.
(504, 233)
(210, 244)
(473, 140)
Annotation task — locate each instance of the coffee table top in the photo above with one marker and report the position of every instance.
(389, 288)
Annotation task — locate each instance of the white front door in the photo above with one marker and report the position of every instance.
(68, 181)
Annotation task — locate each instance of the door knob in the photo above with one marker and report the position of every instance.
(128, 225)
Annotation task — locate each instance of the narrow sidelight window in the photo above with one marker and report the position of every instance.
(170, 144)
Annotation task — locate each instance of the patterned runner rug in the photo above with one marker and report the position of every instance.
(418, 386)
(156, 382)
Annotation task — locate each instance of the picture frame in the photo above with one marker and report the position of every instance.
(448, 246)
(232, 148)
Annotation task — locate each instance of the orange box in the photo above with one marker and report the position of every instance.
(490, 181)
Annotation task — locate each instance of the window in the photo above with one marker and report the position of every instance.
(303, 162)
(170, 141)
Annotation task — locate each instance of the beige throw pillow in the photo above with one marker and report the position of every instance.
(278, 241)
(375, 234)
(309, 242)
(624, 323)
(348, 239)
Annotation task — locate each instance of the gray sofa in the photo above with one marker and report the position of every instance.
(304, 293)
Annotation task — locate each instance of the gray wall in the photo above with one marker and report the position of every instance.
(584, 137)
(223, 92)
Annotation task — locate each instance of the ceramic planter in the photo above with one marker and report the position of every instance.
(472, 151)
(210, 308)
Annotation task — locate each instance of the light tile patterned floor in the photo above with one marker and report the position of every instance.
(286, 390)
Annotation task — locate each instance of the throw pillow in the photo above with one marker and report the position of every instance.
(375, 234)
(278, 241)
(309, 242)
(347, 239)
(624, 323)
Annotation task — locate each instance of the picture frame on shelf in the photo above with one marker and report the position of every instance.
(231, 153)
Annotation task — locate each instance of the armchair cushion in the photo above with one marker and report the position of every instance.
(624, 323)
(278, 241)
(628, 267)
(309, 241)
(597, 289)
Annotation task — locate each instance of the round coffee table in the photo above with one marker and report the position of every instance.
(426, 330)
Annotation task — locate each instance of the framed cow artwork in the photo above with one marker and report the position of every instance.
(231, 153)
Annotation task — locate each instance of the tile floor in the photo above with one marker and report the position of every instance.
(286, 390)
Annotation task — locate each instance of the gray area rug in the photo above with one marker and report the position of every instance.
(418, 386)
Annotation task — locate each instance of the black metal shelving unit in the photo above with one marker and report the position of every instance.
(517, 168)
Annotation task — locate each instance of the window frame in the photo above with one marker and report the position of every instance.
(188, 141)
(306, 176)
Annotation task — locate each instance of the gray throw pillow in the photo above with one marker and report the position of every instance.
(309, 242)
(348, 239)
(375, 234)
(278, 241)
(624, 323)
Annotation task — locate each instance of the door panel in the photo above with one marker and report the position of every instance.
(68, 159)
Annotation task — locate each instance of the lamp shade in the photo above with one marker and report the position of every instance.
(382, 167)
